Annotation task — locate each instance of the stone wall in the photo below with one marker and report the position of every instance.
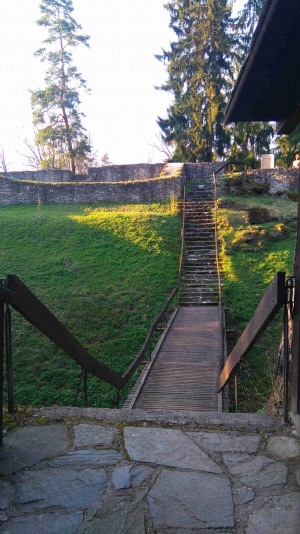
(201, 170)
(45, 176)
(125, 173)
(14, 192)
(111, 173)
(279, 180)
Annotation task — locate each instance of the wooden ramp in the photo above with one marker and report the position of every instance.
(183, 373)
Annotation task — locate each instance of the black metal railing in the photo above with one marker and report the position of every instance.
(227, 165)
(224, 165)
(280, 293)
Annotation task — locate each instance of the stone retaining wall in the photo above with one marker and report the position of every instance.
(111, 173)
(206, 169)
(45, 176)
(279, 180)
(14, 192)
(125, 173)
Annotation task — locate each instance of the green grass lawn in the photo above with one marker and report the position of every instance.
(251, 255)
(104, 270)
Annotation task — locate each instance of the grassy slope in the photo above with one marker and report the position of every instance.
(105, 272)
(247, 270)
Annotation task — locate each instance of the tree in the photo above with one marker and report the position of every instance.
(105, 161)
(203, 63)
(248, 140)
(163, 147)
(199, 71)
(56, 115)
(43, 156)
(246, 24)
(3, 164)
(287, 148)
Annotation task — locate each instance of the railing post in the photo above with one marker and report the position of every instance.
(286, 365)
(1, 366)
(9, 368)
(295, 369)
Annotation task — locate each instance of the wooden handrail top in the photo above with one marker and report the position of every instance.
(270, 304)
(29, 306)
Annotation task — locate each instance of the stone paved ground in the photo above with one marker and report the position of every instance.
(103, 472)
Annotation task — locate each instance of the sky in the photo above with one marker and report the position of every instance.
(120, 69)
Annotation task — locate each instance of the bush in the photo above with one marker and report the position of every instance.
(293, 195)
(258, 215)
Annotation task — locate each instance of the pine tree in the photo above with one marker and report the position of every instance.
(56, 113)
(246, 24)
(287, 148)
(199, 69)
(203, 64)
(248, 140)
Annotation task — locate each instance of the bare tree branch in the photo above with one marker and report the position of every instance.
(3, 164)
(162, 147)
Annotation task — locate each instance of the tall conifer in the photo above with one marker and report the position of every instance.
(56, 113)
(203, 63)
(199, 69)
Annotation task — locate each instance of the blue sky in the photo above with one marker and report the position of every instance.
(120, 68)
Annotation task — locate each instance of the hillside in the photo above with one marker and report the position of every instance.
(105, 272)
(251, 255)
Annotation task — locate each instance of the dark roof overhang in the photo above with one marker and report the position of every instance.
(268, 86)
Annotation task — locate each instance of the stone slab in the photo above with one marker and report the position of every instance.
(230, 421)
(166, 447)
(89, 435)
(284, 447)
(258, 471)
(225, 442)
(7, 495)
(121, 477)
(124, 518)
(27, 446)
(140, 474)
(244, 495)
(191, 500)
(298, 476)
(69, 489)
(280, 515)
(87, 457)
(44, 524)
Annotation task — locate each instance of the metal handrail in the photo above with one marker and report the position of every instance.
(135, 364)
(226, 164)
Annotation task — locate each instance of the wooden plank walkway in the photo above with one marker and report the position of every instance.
(184, 372)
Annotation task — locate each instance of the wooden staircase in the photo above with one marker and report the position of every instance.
(184, 367)
(200, 279)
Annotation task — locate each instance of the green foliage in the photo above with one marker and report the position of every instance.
(198, 68)
(203, 63)
(287, 148)
(105, 271)
(247, 20)
(251, 256)
(293, 195)
(249, 141)
(60, 135)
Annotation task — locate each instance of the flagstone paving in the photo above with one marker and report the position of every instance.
(140, 478)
